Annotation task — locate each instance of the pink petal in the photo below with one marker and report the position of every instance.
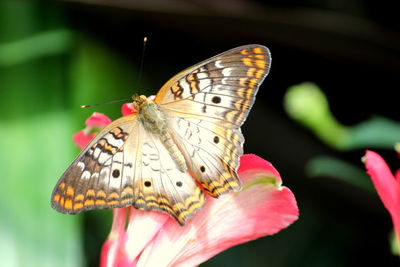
(260, 209)
(386, 185)
(251, 162)
(98, 120)
(127, 109)
(143, 226)
(81, 139)
(112, 253)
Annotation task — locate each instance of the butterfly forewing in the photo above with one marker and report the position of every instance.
(221, 89)
(206, 104)
(98, 176)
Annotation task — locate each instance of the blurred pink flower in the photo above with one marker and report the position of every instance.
(263, 207)
(387, 185)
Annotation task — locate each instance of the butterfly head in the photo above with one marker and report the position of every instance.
(139, 101)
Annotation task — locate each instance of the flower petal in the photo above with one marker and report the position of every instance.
(111, 252)
(81, 139)
(143, 226)
(98, 120)
(384, 181)
(127, 109)
(386, 185)
(253, 163)
(260, 209)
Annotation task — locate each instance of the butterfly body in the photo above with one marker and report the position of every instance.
(154, 121)
(171, 149)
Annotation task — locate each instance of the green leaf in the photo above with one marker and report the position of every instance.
(339, 169)
(307, 104)
(377, 132)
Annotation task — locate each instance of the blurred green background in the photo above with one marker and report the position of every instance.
(58, 55)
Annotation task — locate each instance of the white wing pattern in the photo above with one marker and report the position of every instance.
(195, 122)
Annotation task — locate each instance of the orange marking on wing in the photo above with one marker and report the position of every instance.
(238, 104)
(78, 205)
(110, 148)
(260, 63)
(250, 72)
(247, 61)
(242, 81)
(249, 93)
(118, 133)
(193, 84)
(257, 50)
(245, 105)
(260, 56)
(150, 198)
(178, 207)
(230, 115)
(127, 191)
(89, 202)
(106, 146)
(244, 52)
(253, 82)
(241, 92)
(61, 186)
(56, 198)
(112, 202)
(68, 204)
(100, 202)
(90, 193)
(164, 207)
(62, 201)
(101, 194)
(113, 195)
(70, 191)
(259, 73)
(79, 197)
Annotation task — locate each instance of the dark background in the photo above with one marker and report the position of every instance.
(351, 49)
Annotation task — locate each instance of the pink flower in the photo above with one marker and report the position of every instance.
(95, 123)
(263, 207)
(387, 185)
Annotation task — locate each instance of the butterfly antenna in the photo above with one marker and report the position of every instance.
(106, 103)
(141, 63)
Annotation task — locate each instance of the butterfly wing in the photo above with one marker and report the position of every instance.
(206, 104)
(126, 165)
(96, 178)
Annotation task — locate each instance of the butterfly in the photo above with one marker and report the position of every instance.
(173, 149)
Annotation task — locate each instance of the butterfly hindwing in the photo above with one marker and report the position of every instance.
(212, 153)
(161, 185)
